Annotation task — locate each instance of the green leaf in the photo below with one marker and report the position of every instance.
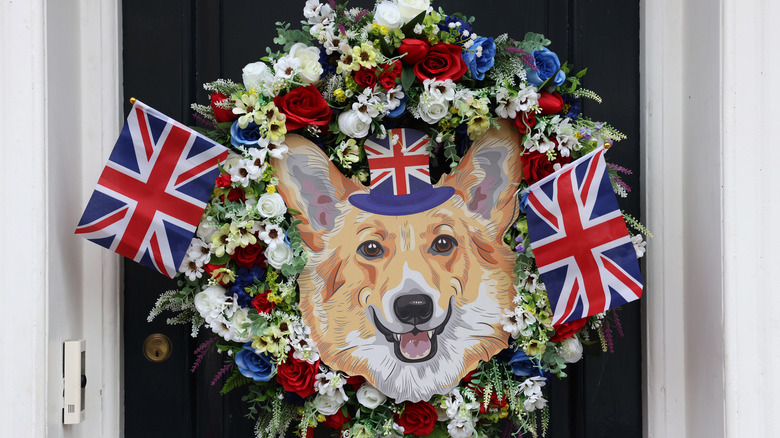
(438, 432)
(225, 126)
(385, 48)
(408, 28)
(407, 77)
(220, 260)
(234, 381)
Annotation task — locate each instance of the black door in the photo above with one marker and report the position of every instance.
(171, 47)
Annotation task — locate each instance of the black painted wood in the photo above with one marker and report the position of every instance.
(172, 47)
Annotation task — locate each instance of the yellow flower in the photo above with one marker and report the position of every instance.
(365, 55)
(320, 418)
(535, 348)
(347, 62)
(477, 126)
(339, 95)
(270, 189)
(277, 129)
(220, 242)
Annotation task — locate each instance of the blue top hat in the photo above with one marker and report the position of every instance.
(400, 176)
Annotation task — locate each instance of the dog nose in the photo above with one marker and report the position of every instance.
(414, 309)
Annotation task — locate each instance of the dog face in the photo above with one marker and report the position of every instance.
(413, 302)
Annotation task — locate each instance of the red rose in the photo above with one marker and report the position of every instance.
(536, 165)
(337, 420)
(304, 106)
(418, 418)
(234, 195)
(550, 103)
(221, 114)
(248, 256)
(414, 49)
(525, 121)
(389, 74)
(261, 304)
(443, 61)
(355, 382)
(223, 181)
(366, 77)
(297, 376)
(568, 329)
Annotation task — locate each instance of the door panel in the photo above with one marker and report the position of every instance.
(172, 47)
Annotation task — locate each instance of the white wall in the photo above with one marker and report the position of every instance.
(60, 89)
(710, 81)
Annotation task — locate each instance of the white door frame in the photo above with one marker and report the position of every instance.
(707, 94)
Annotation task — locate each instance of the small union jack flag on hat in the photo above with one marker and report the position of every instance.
(152, 193)
(580, 240)
(400, 175)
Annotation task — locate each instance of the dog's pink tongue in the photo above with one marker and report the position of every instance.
(415, 346)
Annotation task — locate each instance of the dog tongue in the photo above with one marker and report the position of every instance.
(415, 346)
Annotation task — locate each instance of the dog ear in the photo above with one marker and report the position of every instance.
(488, 175)
(311, 184)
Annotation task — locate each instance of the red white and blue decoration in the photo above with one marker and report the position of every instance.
(581, 243)
(400, 175)
(152, 192)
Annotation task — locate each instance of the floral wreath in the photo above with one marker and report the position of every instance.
(349, 73)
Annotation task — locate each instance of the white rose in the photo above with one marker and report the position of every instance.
(460, 427)
(431, 111)
(571, 350)
(206, 229)
(211, 302)
(369, 396)
(388, 15)
(236, 330)
(311, 69)
(278, 255)
(258, 75)
(412, 8)
(271, 205)
(351, 124)
(327, 405)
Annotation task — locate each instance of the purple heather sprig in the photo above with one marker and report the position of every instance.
(201, 353)
(221, 373)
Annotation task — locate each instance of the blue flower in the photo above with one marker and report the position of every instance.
(523, 201)
(248, 136)
(478, 65)
(259, 367)
(464, 25)
(573, 105)
(547, 63)
(246, 277)
(524, 366)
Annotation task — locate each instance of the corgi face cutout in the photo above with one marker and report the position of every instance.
(411, 302)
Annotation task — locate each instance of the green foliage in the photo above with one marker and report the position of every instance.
(287, 37)
(636, 225)
(534, 41)
(234, 381)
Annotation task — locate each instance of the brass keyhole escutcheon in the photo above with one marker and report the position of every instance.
(157, 348)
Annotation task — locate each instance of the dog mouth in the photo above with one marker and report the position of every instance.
(415, 345)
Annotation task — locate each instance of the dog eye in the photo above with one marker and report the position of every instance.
(371, 249)
(444, 245)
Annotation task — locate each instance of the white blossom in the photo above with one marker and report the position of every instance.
(369, 396)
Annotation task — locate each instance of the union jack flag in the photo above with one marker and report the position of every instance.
(399, 168)
(580, 241)
(153, 190)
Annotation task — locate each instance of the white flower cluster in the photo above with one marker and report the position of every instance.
(532, 389)
(303, 346)
(329, 385)
(458, 412)
(223, 314)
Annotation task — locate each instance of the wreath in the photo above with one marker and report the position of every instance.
(348, 80)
